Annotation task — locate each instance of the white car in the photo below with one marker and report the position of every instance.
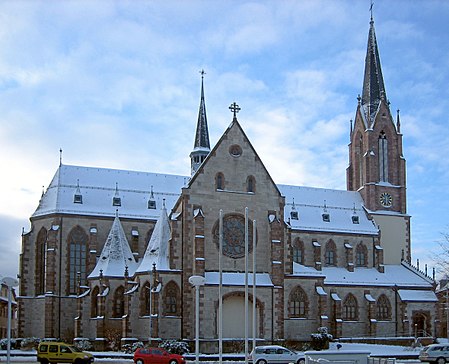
(435, 353)
(275, 354)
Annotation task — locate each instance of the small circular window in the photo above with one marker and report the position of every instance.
(235, 150)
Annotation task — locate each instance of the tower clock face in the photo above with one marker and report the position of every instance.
(385, 199)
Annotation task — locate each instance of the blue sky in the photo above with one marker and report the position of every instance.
(116, 84)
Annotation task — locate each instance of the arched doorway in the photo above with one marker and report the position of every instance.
(421, 326)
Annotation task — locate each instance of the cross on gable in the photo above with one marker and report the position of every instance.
(235, 109)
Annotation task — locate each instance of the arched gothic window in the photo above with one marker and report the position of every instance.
(298, 251)
(298, 304)
(41, 261)
(171, 299)
(145, 299)
(94, 302)
(77, 258)
(383, 308)
(330, 253)
(383, 157)
(251, 184)
(361, 255)
(118, 305)
(350, 308)
(219, 181)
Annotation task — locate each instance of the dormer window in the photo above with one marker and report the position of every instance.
(78, 197)
(151, 201)
(116, 200)
(355, 219)
(294, 215)
(326, 217)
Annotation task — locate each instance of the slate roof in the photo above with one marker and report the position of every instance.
(400, 275)
(345, 210)
(98, 187)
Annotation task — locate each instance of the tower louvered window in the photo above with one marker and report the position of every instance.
(383, 158)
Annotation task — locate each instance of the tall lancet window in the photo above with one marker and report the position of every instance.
(383, 157)
(78, 258)
(41, 261)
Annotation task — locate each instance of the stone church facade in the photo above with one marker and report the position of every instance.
(112, 251)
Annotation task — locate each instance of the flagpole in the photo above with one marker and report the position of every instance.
(254, 284)
(246, 285)
(220, 284)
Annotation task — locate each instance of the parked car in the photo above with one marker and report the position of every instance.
(60, 352)
(157, 356)
(275, 354)
(435, 353)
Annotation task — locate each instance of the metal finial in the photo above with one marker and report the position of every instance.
(202, 72)
(235, 109)
(371, 9)
(60, 156)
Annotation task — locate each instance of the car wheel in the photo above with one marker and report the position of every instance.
(173, 361)
(43, 361)
(139, 361)
(261, 361)
(441, 361)
(301, 361)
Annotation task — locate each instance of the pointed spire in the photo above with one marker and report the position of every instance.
(398, 123)
(373, 83)
(157, 251)
(202, 133)
(201, 146)
(116, 255)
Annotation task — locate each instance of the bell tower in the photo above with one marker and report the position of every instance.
(377, 166)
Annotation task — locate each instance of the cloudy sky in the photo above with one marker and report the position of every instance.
(116, 84)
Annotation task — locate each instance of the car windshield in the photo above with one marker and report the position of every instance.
(74, 348)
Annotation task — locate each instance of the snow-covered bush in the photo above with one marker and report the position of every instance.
(175, 347)
(29, 343)
(131, 348)
(84, 344)
(321, 339)
(4, 344)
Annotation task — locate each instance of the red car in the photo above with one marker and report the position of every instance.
(157, 356)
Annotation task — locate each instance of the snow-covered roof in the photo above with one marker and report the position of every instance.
(116, 255)
(157, 248)
(238, 279)
(394, 275)
(98, 187)
(417, 295)
(344, 210)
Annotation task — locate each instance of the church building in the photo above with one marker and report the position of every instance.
(113, 251)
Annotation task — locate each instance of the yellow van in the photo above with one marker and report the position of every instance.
(59, 352)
